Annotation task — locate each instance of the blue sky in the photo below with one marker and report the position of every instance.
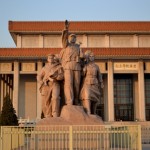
(60, 10)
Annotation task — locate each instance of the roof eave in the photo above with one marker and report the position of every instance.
(101, 57)
(77, 32)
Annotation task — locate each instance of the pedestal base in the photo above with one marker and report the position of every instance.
(72, 115)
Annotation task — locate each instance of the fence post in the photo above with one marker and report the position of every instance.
(139, 138)
(70, 138)
(1, 138)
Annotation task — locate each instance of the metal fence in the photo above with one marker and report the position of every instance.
(145, 134)
(78, 137)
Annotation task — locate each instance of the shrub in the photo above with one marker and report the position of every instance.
(8, 115)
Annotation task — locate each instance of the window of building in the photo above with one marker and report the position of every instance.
(147, 96)
(123, 97)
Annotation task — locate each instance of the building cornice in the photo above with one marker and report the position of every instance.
(75, 26)
(78, 27)
(100, 53)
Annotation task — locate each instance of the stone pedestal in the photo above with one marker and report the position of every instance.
(72, 115)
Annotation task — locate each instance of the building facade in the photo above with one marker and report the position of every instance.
(122, 51)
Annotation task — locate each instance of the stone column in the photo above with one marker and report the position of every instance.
(110, 100)
(2, 92)
(107, 41)
(85, 41)
(19, 41)
(41, 41)
(135, 41)
(140, 102)
(9, 86)
(105, 80)
(39, 103)
(16, 86)
(11, 92)
(5, 85)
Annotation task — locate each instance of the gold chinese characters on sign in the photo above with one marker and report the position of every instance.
(126, 66)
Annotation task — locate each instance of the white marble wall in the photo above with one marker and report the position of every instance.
(121, 41)
(52, 41)
(96, 41)
(30, 41)
(144, 41)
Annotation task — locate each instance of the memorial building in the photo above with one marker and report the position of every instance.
(122, 51)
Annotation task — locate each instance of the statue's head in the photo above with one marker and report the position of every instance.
(89, 56)
(72, 38)
(50, 58)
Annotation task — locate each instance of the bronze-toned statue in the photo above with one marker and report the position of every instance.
(70, 58)
(50, 87)
(92, 82)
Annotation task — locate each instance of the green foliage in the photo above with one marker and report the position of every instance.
(8, 115)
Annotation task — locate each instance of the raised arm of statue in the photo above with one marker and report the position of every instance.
(65, 38)
(65, 35)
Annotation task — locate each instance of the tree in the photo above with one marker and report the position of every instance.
(8, 115)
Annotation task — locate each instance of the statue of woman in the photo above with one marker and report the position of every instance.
(92, 82)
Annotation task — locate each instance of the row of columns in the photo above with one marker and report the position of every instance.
(16, 89)
(11, 86)
(109, 104)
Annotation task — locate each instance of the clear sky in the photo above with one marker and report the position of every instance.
(73, 10)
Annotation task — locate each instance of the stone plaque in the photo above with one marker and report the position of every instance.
(28, 67)
(126, 66)
(5, 67)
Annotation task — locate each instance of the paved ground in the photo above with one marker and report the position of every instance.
(146, 147)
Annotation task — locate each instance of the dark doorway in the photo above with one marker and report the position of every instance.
(147, 96)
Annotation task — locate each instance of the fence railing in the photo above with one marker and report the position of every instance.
(145, 134)
(78, 137)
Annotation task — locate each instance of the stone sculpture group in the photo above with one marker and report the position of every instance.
(80, 75)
